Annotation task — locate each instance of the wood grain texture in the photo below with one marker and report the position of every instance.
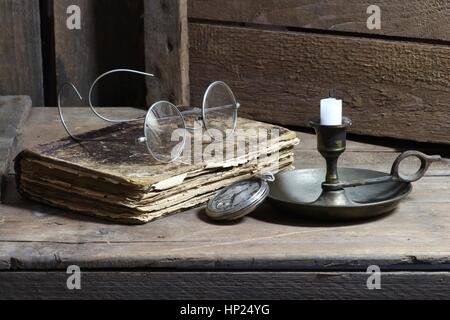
(111, 37)
(405, 18)
(394, 89)
(36, 237)
(224, 286)
(167, 51)
(20, 50)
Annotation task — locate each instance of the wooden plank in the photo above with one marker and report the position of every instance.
(416, 234)
(225, 286)
(14, 110)
(111, 36)
(167, 51)
(405, 18)
(20, 50)
(34, 236)
(394, 89)
(41, 238)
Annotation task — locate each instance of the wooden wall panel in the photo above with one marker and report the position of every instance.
(111, 36)
(167, 51)
(390, 88)
(20, 50)
(428, 19)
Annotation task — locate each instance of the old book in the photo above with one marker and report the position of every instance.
(117, 179)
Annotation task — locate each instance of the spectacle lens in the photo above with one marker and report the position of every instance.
(165, 131)
(220, 110)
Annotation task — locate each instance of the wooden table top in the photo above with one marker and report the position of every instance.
(416, 235)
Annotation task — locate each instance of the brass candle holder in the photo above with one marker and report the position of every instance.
(331, 144)
(337, 193)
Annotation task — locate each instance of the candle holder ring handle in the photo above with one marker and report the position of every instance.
(425, 162)
(396, 175)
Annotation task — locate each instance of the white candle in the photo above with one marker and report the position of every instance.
(330, 112)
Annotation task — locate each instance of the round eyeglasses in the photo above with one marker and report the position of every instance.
(166, 126)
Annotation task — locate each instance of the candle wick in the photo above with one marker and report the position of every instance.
(329, 93)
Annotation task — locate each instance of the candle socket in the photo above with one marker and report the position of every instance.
(331, 143)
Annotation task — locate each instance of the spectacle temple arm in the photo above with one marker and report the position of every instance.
(101, 77)
(61, 116)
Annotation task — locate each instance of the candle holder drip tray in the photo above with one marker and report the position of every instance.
(300, 192)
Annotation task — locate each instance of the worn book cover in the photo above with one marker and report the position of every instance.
(116, 178)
